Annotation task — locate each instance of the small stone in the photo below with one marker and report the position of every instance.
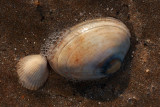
(99, 102)
(36, 2)
(76, 19)
(137, 39)
(22, 97)
(16, 58)
(81, 14)
(148, 40)
(147, 70)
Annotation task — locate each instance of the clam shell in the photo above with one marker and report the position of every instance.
(90, 50)
(32, 71)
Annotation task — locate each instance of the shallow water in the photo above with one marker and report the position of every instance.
(25, 25)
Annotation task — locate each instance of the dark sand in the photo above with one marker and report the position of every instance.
(24, 24)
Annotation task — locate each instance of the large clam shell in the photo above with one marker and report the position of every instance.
(32, 71)
(90, 50)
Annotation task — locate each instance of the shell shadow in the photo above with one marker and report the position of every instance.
(105, 89)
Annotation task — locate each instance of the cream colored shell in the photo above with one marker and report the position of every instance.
(91, 50)
(32, 71)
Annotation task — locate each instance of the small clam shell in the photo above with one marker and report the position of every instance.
(91, 50)
(32, 71)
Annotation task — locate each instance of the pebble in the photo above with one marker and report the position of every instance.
(36, 2)
(148, 40)
(132, 100)
(81, 14)
(137, 39)
(152, 88)
(147, 70)
(76, 19)
(22, 97)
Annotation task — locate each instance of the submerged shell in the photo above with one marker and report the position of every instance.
(90, 50)
(32, 71)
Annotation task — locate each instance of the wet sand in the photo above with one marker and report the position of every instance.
(25, 25)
